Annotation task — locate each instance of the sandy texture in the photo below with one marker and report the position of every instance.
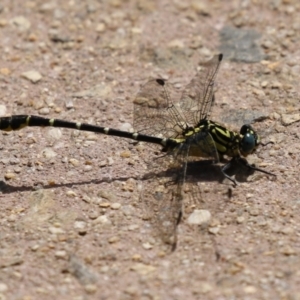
(71, 219)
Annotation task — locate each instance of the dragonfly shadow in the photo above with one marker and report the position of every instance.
(6, 188)
(204, 170)
(208, 171)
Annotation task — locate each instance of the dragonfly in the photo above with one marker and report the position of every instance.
(180, 124)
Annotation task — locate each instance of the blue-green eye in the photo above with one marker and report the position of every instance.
(248, 143)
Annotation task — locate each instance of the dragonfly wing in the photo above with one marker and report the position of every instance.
(162, 196)
(198, 96)
(155, 112)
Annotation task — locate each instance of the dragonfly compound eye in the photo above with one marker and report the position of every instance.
(246, 129)
(249, 140)
(248, 143)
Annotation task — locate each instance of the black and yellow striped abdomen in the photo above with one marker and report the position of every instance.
(18, 122)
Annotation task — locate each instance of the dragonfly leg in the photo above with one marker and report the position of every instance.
(244, 162)
(224, 168)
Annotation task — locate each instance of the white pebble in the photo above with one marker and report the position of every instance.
(55, 133)
(2, 110)
(126, 127)
(61, 254)
(49, 153)
(79, 224)
(115, 206)
(3, 287)
(199, 217)
(103, 220)
(33, 76)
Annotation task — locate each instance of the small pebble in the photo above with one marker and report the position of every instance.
(132, 291)
(58, 109)
(115, 206)
(288, 250)
(106, 195)
(61, 254)
(12, 218)
(74, 162)
(268, 44)
(93, 215)
(2, 110)
(250, 289)
(147, 246)
(258, 92)
(276, 85)
(44, 111)
(288, 119)
(35, 247)
(3, 288)
(102, 220)
(46, 7)
(205, 287)
(136, 257)
(143, 269)
(90, 288)
(113, 239)
(176, 43)
(288, 230)
(33, 76)
(100, 27)
(214, 230)
(69, 104)
(49, 153)
(200, 8)
(103, 163)
(128, 210)
(14, 161)
(249, 195)
(56, 230)
(87, 168)
(21, 23)
(71, 194)
(79, 224)
(9, 176)
(87, 199)
(110, 161)
(55, 133)
(39, 104)
(133, 227)
(240, 219)
(254, 212)
(17, 170)
(91, 136)
(125, 154)
(264, 84)
(199, 217)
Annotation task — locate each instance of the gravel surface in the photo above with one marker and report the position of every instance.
(72, 224)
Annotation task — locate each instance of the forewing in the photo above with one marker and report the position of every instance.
(198, 96)
(154, 110)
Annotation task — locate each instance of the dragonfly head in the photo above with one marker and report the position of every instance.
(249, 140)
